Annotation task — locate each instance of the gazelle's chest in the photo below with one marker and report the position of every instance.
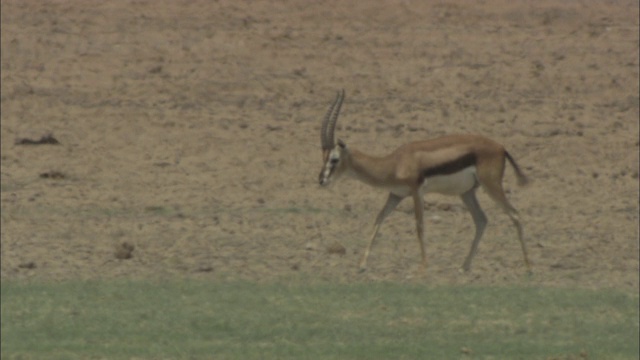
(450, 184)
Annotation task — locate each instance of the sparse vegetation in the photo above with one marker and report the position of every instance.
(176, 213)
(318, 320)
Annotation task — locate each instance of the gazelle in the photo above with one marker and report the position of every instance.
(451, 165)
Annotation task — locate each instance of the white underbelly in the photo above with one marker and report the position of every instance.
(453, 184)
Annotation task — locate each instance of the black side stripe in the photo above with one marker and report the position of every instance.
(449, 167)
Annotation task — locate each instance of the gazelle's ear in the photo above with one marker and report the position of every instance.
(342, 144)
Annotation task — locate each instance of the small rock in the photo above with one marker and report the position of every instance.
(205, 268)
(336, 248)
(57, 175)
(124, 251)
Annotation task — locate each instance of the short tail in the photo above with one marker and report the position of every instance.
(522, 178)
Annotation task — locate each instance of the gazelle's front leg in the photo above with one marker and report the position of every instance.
(392, 201)
(418, 204)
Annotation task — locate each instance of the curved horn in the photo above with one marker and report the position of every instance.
(325, 123)
(334, 118)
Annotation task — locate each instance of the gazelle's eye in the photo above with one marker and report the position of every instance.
(334, 161)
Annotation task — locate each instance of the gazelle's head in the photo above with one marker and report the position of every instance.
(334, 155)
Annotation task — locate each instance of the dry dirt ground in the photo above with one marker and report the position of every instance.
(189, 130)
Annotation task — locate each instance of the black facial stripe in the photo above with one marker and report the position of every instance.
(450, 167)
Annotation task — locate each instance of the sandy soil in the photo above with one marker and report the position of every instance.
(190, 131)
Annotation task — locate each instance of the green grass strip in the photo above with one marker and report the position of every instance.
(241, 320)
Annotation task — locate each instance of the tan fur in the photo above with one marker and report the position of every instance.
(402, 167)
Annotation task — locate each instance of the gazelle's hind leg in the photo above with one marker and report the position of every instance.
(495, 191)
(418, 207)
(479, 219)
(392, 202)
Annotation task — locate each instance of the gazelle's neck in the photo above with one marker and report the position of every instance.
(373, 170)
